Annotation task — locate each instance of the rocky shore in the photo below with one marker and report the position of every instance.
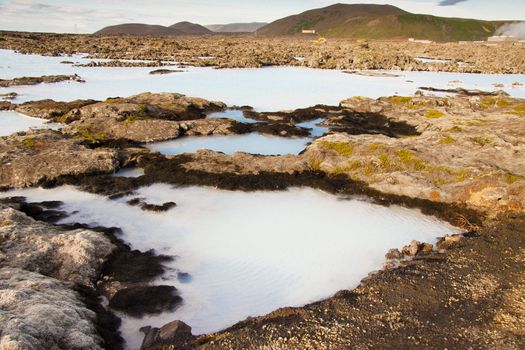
(459, 158)
(250, 51)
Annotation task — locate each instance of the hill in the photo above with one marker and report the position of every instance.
(363, 21)
(190, 28)
(181, 28)
(236, 27)
(138, 29)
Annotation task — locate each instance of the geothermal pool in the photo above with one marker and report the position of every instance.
(316, 130)
(250, 143)
(265, 89)
(236, 115)
(249, 253)
(11, 122)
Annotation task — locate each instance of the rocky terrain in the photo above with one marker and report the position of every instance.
(28, 159)
(249, 51)
(459, 158)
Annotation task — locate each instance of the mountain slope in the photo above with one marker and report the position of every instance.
(362, 21)
(236, 27)
(190, 28)
(138, 29)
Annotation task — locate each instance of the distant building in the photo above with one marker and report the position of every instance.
(309, 31)
(412, 40)
(502, 39)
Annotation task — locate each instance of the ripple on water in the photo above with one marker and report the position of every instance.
(250, 253)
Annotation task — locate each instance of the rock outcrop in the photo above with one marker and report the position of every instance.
(467, 151)
(40, 312)
(74, 256)
(40, 264)
(27, 159)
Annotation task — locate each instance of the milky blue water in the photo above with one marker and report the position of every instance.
(250, 143)
(266, 89)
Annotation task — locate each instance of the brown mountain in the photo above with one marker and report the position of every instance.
(190, 28)
(181, 28)
(364, 21)
(139, 29)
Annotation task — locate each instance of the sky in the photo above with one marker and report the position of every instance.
(75, 16)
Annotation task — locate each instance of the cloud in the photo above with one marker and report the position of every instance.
(450, 2)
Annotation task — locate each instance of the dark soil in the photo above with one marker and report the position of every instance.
(342, 120)
(141, 300)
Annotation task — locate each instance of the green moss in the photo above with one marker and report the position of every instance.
(409, 160)
(30, 143)
(490, 102)
(130, 120)
(447, 140)
(384, 161)
(405, 156)
(462, 175)
(510, 178)
(400, 99)
(314, 163)
(518, 110)
(114, 100)
(89, 137)
(341, 148)
(374, 147)
(454, 129)
(434, 114)
(369, 169)
(352, 166)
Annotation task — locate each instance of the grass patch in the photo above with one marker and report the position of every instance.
(434, 114)
(341, 148)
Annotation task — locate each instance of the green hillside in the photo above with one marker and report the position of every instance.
(364, 21)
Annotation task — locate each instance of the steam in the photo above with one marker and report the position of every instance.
(449, 2)
(516, 29)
